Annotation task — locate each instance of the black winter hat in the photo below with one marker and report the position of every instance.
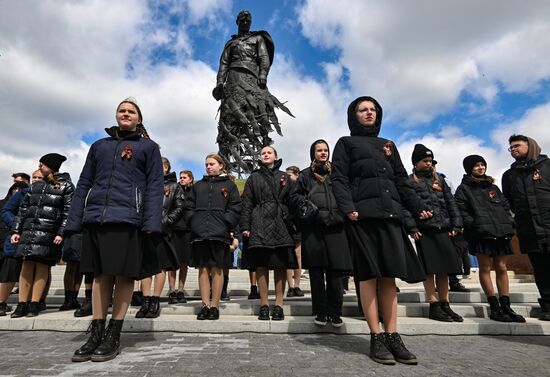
(420, 152)
(312, 148)
(470, 161)
(53, 161)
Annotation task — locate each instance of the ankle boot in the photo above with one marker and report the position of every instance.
(96, 330)
(144, 307)
(85, 310)
(447, 309)
(496, 313)
(395, 345)
(67, 303)
(254, 295)
(378, 350)
(74, 300)
(437, 314)
(154, 307)
(21, 310)
(225, 295)
(42, 305)
(110, 344)
(33, 309)
(506, 309)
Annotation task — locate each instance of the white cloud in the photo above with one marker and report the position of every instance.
(418, 57)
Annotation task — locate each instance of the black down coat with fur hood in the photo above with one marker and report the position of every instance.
(42, 216)
(265, 212)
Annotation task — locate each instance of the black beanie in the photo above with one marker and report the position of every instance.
(312, 148)
(420, 152)
(53, 161)
(470, 161)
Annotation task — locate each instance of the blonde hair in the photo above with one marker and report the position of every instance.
(219, 159)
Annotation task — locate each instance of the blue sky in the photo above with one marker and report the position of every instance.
(456, 76)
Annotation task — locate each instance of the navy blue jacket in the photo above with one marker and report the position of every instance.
(8, 214)
(122, 182)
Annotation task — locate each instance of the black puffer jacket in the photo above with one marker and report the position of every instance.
(368, 174)
(484, 209)
(42, 216)
(527, 188)
(173, 203)
(265, 213)
(446, 215)
(181, 225)
(212, 209)
(320, 194)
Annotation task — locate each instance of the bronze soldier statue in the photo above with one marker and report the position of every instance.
(247, 109)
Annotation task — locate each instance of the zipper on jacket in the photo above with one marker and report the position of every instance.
(86, 199)
(110, 183)
(137, 201)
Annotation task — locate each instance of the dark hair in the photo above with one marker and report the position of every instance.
(167, 161)
(518, 138)
(25, 176)
(293, 169)
(188, 173)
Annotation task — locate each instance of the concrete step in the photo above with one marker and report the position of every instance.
(56, 321)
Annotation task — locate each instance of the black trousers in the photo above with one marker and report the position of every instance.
(541, 267)
(327, 296)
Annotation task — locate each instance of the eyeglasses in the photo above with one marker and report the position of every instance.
(515, 146)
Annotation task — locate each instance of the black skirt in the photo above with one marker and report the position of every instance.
(210, 254)
(116, 250)
(381, 248)
(326, 247)
(438, 254)
(182, 242)
(492, 248)
(272, 258)
(10, 269)
(165, 251)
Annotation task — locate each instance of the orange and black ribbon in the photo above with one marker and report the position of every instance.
(127, 152)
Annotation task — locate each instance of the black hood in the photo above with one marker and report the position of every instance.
(216, 178)
(113, 132)
(171, 178)
(312, 149)
(357, 129)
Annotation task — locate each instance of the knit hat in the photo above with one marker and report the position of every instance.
(420, 152)
(470, 161)
(53, 161)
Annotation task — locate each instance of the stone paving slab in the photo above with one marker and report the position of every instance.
(272, 355)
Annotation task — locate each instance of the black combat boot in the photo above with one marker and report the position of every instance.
(154, 307)
(436, 313)
(378, 350)
(145, 302)
(496, 313)
(96, 330)
(447, 309)
(506, 309)
(110, 345)
(395, 345)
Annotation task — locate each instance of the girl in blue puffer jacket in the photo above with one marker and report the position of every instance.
(118, 201)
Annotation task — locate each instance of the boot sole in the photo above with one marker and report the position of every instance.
(111, 356)
(408, 362)
(80, 358)
(383, 361)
